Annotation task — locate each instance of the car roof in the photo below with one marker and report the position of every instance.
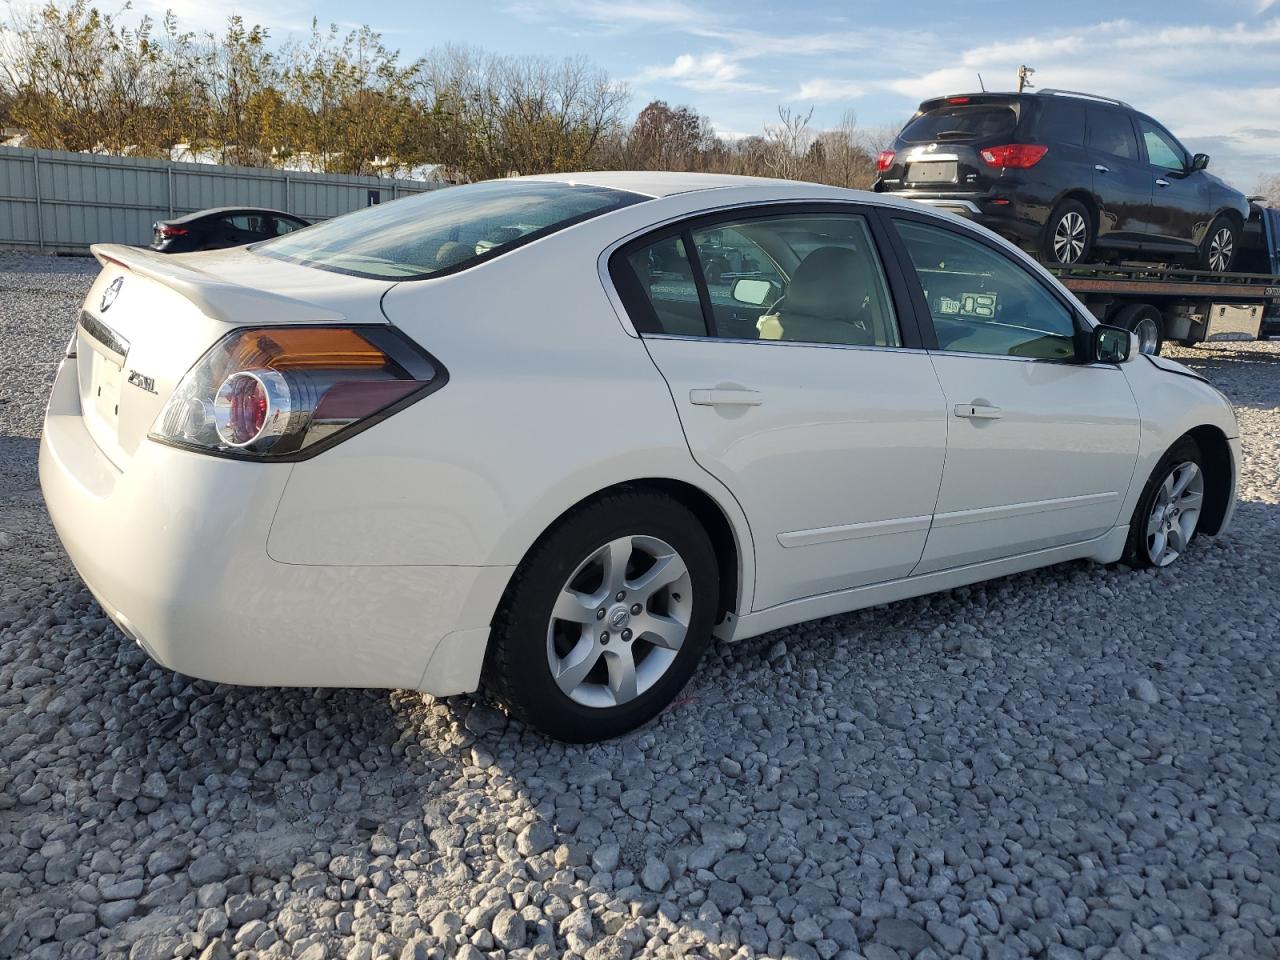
(225, 211)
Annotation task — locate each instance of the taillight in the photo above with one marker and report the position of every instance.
(957, 100)
(885, 160)
(1016, 156)
(167, 231)
(273, 393)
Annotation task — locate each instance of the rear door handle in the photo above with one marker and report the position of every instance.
(1101, 169)
(1161, 182)
(726, 398)
(978, 411)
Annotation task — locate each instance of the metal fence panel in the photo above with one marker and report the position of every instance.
(61, 202)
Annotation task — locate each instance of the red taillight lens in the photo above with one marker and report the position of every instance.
(1016, 156)
(885, 160)
(957, 99)
(284, 392)
(167, 231)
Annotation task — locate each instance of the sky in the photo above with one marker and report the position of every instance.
(1209, 70)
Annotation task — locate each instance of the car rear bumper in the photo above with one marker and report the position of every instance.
(174, 549)
(1008, 219)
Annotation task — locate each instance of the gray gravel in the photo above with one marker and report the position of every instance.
(1079, 762)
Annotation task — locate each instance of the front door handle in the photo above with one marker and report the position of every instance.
(978, 411)
(1162, 182)
(1101, 169)
(726, 398)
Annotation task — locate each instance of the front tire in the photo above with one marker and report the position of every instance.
(606, 619)
(1218, 251)
(1168, 512)
(1068, 235)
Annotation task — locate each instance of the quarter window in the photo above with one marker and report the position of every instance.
(661, 294)
(983, 302)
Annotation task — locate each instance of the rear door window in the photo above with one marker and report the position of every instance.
(1111, 132)
(958, 122)
(444, 230)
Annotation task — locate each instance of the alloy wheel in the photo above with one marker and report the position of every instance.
(1069, 237)
(619, 621)
(1175, 513)
(1221, 248)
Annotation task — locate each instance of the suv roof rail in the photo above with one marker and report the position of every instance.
(1055, 92)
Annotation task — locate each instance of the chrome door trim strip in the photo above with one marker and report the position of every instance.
(853, 531)
(1007, 511)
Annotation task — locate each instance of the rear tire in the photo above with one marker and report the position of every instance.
(589, 642)
(1218, 250)
(1146, 323)
(1167, 516)
(1068, 235)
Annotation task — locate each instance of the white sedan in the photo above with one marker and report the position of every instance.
(549, 435)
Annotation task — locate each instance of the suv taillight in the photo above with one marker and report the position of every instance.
(1016, 156)
(885, 160)
(167, 231)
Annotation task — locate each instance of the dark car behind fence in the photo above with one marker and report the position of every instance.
(59, 202)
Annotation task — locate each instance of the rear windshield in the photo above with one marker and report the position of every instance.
(445, 230)
(953, 122)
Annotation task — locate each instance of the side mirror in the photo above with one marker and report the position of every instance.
(752, 292)
(1112, 344)
(1199, 161)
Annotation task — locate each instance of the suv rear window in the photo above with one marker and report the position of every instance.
(976, 121)
(445, 230)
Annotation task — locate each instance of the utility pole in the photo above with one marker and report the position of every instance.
(1024, 77)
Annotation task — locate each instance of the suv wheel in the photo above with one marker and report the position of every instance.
(606, 619)
(1219, 247)
(1068, 234)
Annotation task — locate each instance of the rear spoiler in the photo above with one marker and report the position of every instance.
(217, 298)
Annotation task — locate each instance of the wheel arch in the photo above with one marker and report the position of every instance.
(1084, 197)
(731, 547)
(1215, 452)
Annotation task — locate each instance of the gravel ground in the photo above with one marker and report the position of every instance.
(1078, 762)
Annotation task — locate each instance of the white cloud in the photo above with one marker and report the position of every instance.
(707, 72)
(827, 89)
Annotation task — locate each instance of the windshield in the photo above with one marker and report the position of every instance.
(961, 122)
(445, 230)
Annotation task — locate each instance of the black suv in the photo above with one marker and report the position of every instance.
(1069, 176)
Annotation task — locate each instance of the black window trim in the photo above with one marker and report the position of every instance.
(636, 305)
(1083, 326)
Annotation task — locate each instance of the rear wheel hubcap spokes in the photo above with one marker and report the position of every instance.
(1068, 238)
(633, 616)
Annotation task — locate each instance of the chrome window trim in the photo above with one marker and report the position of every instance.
(784, 343)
